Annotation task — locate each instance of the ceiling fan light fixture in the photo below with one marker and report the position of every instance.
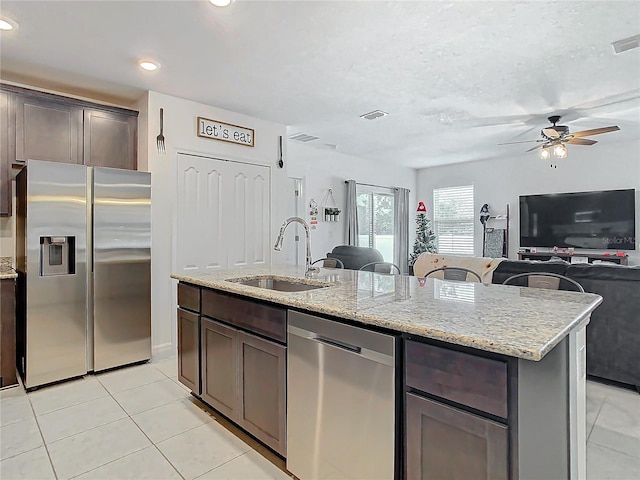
(7, 24)
(221, 3)
(560, 151)
(545, 153)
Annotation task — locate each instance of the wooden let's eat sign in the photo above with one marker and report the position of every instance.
(225, 132)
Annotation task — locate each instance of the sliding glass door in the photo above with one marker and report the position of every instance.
(375, 219)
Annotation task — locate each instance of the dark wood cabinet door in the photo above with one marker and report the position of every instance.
(188, 352)
(48, 130)
(477, 382)
(263, 382)
(5, 158)
(110, 139)
(7, 333)
(220, 367)
(255, 316)
(444, 442)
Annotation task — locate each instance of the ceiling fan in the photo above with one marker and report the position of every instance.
(555, 137)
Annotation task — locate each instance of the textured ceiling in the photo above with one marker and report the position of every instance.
(456, 78)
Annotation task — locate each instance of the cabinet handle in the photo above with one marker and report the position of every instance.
(336, 343)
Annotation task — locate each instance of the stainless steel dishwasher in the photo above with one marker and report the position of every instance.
(340, 401)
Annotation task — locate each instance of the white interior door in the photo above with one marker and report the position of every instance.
(223, 214)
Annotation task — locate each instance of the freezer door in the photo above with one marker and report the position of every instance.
(56, 308)
(121, 267)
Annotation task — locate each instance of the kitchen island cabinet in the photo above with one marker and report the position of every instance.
(493, 376)
(434, 428)
(188, 323)
(188, 346)
(241, 347)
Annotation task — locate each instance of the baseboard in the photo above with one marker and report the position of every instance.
(161, 351)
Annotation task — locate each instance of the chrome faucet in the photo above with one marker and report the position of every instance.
(278, 246)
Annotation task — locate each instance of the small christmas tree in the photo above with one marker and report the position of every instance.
(425, 237)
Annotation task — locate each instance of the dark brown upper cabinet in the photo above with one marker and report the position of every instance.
(110, 139)
(48, 130)
(38, 125)
(5, 160)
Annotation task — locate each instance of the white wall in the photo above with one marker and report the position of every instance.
(499, 182)
(180, 136)
(325, 169)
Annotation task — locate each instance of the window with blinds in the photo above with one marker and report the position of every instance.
(453, 217)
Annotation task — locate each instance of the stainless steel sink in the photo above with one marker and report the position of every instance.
(278, 284)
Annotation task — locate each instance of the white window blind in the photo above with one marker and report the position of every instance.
(453, 217)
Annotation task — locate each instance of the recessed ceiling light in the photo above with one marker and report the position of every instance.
(221, 3)
(7, 24)
(148, 64)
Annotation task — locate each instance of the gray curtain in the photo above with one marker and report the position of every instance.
(401, 228)
(351, 214)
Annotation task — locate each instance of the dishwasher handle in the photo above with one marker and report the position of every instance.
(338, 344)
(364, 352)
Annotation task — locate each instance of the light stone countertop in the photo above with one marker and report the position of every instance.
(520, 322)
(7, 273)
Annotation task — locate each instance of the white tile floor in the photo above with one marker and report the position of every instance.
(140, 423)
(132, 423)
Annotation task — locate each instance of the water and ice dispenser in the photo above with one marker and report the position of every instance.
(57, 256)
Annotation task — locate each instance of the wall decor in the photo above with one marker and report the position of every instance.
(225, 132)
(313, 214)
(330, 208)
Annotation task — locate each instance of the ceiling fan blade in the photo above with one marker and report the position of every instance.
(525, 141)
(535, 148)
(581, 141)
(595, 131)
(551, 132)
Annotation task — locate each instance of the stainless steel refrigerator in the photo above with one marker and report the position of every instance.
(83, 257)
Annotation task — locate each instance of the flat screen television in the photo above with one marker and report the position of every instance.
(594, 220)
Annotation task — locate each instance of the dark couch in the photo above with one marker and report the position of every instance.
(508, 268)
(613, 334)
(355, 257)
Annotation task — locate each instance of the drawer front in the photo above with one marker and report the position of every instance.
(189, 297)
(477, 382)
(254, 316)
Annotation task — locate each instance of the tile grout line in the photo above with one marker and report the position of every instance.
(596, 418)
(44, 443)
(611, 449)
(224, 463)
(143, 432)
(108, 394)
(172, 436)
(64, 384)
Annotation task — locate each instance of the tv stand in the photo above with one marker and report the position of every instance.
(544, 256)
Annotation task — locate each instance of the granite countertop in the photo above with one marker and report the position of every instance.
(520, 322)
(7, 272)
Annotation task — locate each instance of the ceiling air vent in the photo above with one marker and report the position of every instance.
(303, 137)
(626, 44)
(373, 115)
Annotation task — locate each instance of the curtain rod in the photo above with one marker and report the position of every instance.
(372, 185)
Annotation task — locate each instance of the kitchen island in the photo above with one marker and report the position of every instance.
(492, 375)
